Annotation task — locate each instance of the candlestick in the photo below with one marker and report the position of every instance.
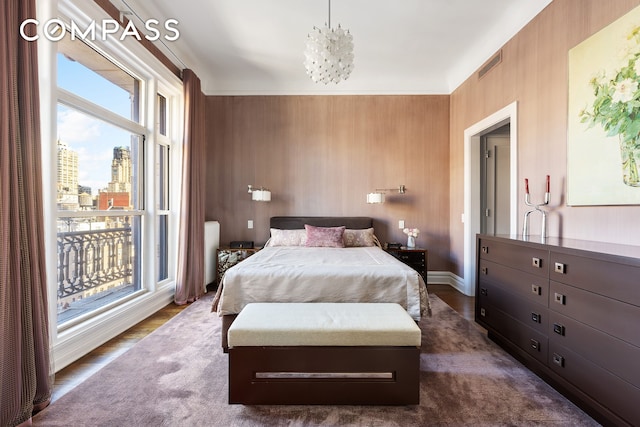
(547, 183)
(537, 207)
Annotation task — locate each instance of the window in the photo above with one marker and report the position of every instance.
(162, 190)
(113, 202)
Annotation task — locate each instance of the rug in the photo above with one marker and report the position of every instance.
(177, 376)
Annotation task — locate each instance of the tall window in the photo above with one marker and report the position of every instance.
(162, 196)
(107, 200)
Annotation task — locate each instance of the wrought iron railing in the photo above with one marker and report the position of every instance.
(89, 259)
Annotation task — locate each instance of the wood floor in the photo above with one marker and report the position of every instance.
(80, 370)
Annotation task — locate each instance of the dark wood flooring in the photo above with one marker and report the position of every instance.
(74, 374)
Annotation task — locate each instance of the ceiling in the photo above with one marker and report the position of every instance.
(255, 47)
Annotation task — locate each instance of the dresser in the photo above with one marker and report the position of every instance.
(570, 311)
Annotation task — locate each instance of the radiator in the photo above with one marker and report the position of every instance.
(211, 243)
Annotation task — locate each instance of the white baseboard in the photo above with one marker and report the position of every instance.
(447, 278)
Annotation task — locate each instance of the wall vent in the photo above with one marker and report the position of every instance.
(497, 58)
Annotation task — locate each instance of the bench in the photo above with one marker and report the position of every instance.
(324, 353)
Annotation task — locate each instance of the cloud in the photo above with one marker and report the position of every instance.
(74, 126)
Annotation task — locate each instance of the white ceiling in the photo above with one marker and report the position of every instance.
(254, 47)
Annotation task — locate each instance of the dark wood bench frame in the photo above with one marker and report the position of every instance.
(402, 388)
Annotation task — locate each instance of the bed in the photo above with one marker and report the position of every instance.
(303, 262)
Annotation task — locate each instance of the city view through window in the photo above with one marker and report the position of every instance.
(98, 189)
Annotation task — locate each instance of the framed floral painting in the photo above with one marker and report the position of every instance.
(603, 140)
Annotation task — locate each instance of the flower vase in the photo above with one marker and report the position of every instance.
(630, 156)
(411, 242)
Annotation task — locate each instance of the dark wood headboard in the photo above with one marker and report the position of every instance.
(297, 222)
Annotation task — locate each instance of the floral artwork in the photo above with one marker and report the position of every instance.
(603, 145)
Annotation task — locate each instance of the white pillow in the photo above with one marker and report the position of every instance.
(287, 237)
(357, 238)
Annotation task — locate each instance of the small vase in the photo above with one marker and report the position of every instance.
(411, 242)
(630, 156)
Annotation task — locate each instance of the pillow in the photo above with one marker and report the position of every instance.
(287, 237)
(357, 238)
(331, 237)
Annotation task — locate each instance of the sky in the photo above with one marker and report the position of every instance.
(92, 139)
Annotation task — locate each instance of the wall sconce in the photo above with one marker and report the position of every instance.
(259, 194)
(378, 195)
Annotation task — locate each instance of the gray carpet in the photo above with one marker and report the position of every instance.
(177, 376)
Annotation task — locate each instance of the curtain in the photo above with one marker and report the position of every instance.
(190, 276)
(25, 371)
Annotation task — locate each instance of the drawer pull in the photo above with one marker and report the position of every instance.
(536, 289)
(560, 268)
(483, 312)
(485, 249)
(558, 360)
(558, 329)
(559, 298)
(536, 317)
(484, 292)
(535, 345)
(484, 270)
(536, 262)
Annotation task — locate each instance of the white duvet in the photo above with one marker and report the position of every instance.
(302, 274)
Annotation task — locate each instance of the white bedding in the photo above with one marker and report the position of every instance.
(309, 274)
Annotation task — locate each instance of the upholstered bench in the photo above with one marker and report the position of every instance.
(324, 353)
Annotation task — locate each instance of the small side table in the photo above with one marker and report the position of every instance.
(415, 258)
(227, 257)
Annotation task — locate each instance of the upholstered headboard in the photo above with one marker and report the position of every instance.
(297, 222)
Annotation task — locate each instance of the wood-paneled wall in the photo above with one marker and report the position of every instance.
(534, 72)
(321, 155)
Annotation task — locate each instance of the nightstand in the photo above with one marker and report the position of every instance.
(227, 257)
(415, 258)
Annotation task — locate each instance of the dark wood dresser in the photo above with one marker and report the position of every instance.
(570, 311)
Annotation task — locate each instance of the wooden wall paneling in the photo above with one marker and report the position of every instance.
(321, 155)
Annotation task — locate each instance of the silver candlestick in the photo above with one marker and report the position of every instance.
(536, 208)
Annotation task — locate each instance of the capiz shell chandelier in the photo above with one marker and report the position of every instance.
(329, 53)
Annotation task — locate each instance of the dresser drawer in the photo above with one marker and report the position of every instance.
(411, 257)
(615, 394)
(616, 280)
(525, 285)
(605, 314)
(528, 259)
(523, 310)
(616, 356)
(529, 340)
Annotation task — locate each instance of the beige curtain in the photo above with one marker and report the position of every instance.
(25, 371)
(190, 280)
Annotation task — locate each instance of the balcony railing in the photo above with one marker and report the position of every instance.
(90, 259)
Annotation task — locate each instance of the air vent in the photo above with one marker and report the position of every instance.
(497, 58)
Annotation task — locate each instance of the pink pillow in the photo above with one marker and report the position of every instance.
(331, 237)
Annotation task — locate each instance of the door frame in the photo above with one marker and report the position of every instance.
(472, 158)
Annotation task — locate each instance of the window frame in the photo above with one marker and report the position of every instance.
(131, 56)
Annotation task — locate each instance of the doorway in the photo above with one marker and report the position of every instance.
(495, 148)
(472, 185)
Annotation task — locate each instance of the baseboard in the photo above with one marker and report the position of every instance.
(446, 278)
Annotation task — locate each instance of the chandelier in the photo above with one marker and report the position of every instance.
(329, 53)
